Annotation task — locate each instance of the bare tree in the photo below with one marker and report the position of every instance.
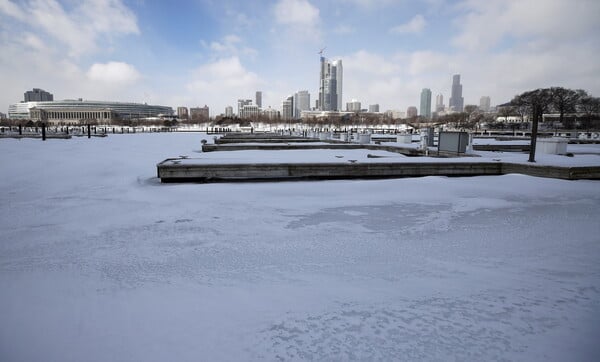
(536, 102)
(564, 100)
(590, 106)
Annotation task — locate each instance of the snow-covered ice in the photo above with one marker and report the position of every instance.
(101, 262)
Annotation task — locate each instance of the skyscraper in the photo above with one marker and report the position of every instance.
(339, 75)
(259, 99)
(229, 111)
(439, 103)
(425, 110)
(287, 108)
(330, 85)
(484, 103)
(456, 100)
(301, 102)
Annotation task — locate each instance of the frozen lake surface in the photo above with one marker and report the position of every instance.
(101, 262)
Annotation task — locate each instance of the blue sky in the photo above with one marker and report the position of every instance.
(191, 53)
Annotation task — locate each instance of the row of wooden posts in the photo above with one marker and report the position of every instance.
(87, 129)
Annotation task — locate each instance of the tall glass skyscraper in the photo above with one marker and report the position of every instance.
(330, 85)
(425, 103)
(456, 100)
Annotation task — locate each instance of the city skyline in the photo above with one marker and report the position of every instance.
(219, 52)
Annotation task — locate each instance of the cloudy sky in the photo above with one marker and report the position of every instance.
(213, 52)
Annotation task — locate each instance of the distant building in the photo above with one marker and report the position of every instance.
(229, 111)
(182, 112)
(301, 103)
(411, 112)
(78, 111)
(249, 111)
(439, 103)
(200, 114)
(38, 95)
(271, 113)
(394, 114)
(287, 108)
(425, 110)
(484, 104)
(258, 99)
(374, 108)
(330, 85)
(456, 100)
(241, 104)
(2, 115)
(353, 106)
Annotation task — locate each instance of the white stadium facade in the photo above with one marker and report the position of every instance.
(80, 111)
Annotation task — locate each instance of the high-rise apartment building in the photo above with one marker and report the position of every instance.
(456, 100)
(301, 103)
(200, 114)
(287, 108)
(374, 108)
(439, 103)
(249, 111)
(258, 99)
(38, 95)
(229, 111)
(484, 103)
(425, 110)
(330, 85)
(241, 104)
(411, 112)
(182, 113)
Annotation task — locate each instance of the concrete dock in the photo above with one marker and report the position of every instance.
(407, 151)
(195, 170)
(230, 169)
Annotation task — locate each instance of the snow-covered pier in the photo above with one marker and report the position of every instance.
(277, 157)
(203, 170)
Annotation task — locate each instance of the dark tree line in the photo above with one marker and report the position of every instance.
(555, 99)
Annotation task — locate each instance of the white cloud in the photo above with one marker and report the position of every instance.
(11, 10)
(485, 24)
(81, 28)
(423, 62)
(297, 24)
(232, 45)
(415, 25)
(217, 82)
(296, 12)
(114, 73)
(369, 3)
(370, 63)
